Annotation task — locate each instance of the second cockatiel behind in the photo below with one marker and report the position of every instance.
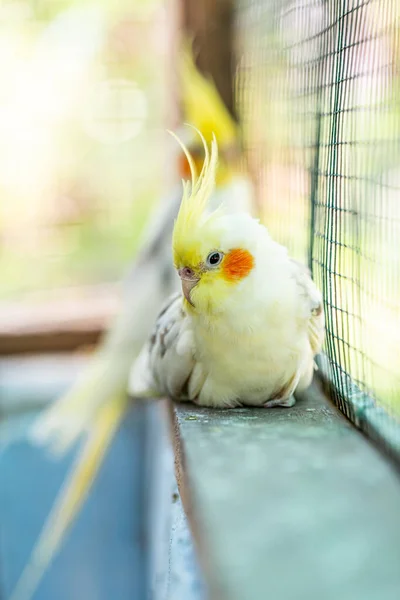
(249, 321)
(152, 276)
(96, 404)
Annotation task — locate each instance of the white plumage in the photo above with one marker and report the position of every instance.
(253, 345)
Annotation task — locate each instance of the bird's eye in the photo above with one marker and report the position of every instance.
(214, 258)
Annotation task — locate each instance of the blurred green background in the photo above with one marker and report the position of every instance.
(82, 121)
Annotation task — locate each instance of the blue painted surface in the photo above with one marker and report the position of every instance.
(184, 577)
(102, 556)
(173, 566)
(131, 534)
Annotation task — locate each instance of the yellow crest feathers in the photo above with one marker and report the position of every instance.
(197, 192)
(202, 104)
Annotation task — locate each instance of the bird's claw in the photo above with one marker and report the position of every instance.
(285, 402)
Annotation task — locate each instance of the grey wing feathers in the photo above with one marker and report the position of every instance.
(165, 365)
(314, 305)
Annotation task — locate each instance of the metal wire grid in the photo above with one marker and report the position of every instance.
(277, 94)
(319, 94)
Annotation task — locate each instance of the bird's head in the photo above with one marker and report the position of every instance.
(203, 107)
(214, 252)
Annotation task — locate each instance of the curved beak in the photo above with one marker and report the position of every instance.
(188, 282)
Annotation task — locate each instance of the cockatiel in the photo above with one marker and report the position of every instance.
(249, 321)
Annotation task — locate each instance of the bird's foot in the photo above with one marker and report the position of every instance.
(287, 402)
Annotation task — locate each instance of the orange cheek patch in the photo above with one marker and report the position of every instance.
(237, 264)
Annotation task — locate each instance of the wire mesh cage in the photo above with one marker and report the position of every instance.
(318, 92)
